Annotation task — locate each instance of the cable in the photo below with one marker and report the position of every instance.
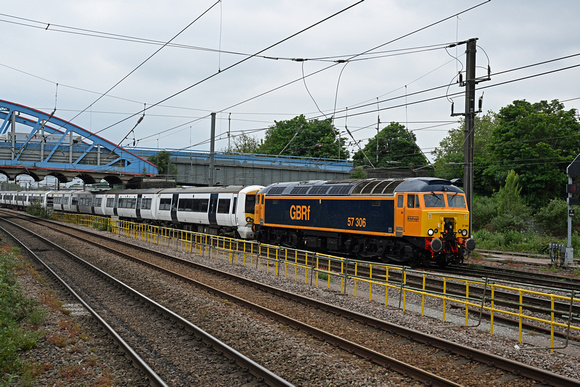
(311, 74)
(145, 61)
(238, 62)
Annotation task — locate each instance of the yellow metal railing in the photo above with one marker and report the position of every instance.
(391, 284)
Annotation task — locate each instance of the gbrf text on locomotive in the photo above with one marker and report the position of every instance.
(299, 212)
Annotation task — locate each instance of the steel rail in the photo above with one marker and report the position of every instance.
(154, 379)
(485, 357)
(254, 368)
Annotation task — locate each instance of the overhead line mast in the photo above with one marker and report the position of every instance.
(470, 112)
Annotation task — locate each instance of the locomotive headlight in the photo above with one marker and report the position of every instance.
(430, 232)
(464, 232)
(249, 220)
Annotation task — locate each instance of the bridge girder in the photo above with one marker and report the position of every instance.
(40, 144)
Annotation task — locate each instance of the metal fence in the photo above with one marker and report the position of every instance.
(387, 284)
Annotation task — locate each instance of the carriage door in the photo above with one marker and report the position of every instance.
(400, 216)
(213, 199)
(174, 199)
(138, 206)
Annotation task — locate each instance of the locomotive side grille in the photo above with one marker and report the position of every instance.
(299, 190)
(320, 190)
(340, 190)
(276, 190)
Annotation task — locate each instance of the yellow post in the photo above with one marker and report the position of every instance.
(387, 285)
(371, 282)
(492, 309)
(521, 309)
(405, 292)
(552, 324)
(342, 276)
(423, 297)
(444, 297)
(329, 262)
(355, 275)
(466, 303)
(317, 267)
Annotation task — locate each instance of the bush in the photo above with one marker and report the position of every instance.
(484, 210)
(36, 209)
(510, 222)
(553, 218)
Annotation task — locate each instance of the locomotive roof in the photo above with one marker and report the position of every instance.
(379, 187)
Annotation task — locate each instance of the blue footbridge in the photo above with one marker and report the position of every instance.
(40, 144)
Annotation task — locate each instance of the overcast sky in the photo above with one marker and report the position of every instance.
(67, 54)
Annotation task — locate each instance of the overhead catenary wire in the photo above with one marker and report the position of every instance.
(313, 73)
(147, 59)
(238, 63)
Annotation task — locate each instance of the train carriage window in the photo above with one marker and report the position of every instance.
(400, 201)
(200, 205)
(434, 200)
(146, 203)
(185, 205)
(98, 202)
(110, 202)
(250, 204)
(456, 201)
(165, 204)
(223, 206)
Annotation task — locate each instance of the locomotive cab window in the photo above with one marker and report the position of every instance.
(456, 201)
(413, 201)
(401, 201)
(434, 200)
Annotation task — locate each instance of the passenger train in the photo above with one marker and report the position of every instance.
(225, 210)
(416, 221)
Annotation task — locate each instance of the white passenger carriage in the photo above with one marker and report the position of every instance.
(227, 210)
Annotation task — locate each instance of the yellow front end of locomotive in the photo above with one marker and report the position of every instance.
(434, 222)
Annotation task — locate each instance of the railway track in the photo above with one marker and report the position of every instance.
(517, 276)
(365, 336)
(134, 320)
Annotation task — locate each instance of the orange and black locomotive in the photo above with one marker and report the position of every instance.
(415, 221)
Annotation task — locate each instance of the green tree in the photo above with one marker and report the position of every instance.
(396, 147)
(358, 173)
(512, 213)
(244, 144)
(537, 141)
(163, 163)
(307, 138)
(449, 156)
